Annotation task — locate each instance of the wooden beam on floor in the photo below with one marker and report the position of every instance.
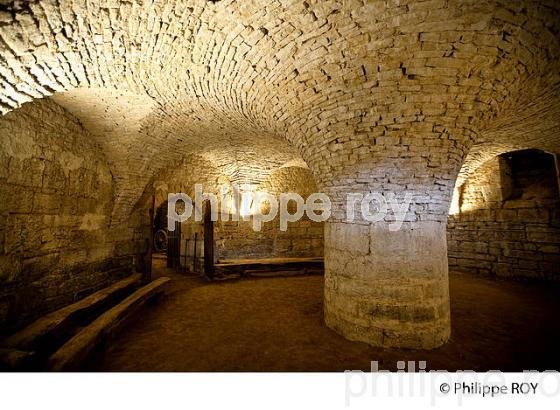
(76, 351)
(268, 266)
(45, 331)
(13, 359)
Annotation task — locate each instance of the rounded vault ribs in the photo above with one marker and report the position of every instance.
(386, 97)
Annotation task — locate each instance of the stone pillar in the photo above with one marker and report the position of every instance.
(386, 276)
(388, 288)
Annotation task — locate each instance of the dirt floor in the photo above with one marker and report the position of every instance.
(275, 324)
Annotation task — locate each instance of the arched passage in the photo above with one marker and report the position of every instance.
(506, 221)
(235, 236)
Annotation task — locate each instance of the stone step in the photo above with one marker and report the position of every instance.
(49, 332)
(76, 351)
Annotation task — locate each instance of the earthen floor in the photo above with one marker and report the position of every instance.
(276, 324)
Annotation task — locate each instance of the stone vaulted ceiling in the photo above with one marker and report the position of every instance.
(385, 91)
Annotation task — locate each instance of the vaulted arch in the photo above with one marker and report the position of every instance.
(387, 97)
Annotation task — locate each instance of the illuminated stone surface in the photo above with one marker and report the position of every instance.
(382, 96)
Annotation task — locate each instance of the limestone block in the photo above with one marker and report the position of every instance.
(351, 238)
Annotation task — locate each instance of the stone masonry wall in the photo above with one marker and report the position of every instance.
(497, 234)
(238, 240)
(303, 238)
(56, 198)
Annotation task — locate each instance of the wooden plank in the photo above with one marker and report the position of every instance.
(208, 241)
(74, 352)
(557, 167)
(194, 254)
(268, 261)
(12, 359)
(147, 273)
(279, 273)
(170, 248)
(267, 267)
(41, 333)
(177, 252)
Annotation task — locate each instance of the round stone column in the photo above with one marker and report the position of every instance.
(388, 288)
(386, 269)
